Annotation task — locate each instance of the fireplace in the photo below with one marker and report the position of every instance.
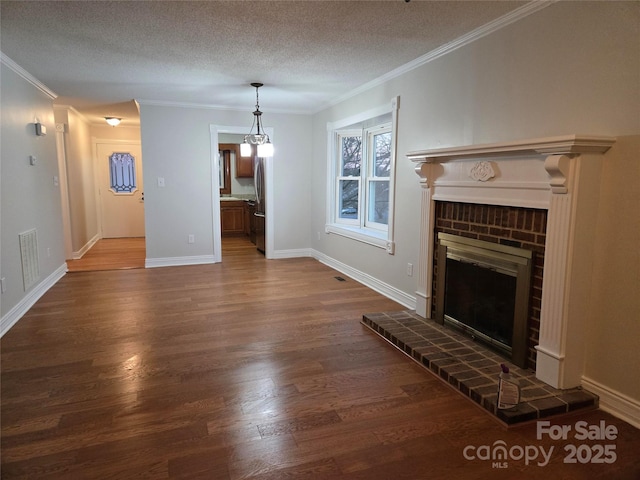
(483, 290)
(560, 175)
(518, 227)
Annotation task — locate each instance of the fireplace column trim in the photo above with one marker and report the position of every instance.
(569, 246)
(571, 174)
(424, 296)
(551, 350)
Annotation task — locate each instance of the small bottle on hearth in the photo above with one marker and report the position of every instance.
(508, 390)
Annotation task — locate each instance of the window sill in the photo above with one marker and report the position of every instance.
(370, 237)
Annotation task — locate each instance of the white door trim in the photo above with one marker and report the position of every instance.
(96, 173)
(215, 194)
(61, 150)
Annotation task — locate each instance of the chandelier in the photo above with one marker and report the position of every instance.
(261, 139)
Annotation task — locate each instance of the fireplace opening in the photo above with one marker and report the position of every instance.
(483, 291)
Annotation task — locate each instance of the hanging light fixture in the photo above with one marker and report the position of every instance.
(113, 121)
(261, 139)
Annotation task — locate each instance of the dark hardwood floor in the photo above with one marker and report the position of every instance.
(249, 369)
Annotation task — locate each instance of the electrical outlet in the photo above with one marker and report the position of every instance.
(410, 269)
(161, 181)
(3, 285)
(192, 239)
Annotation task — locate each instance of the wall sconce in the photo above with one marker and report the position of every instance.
(113, 121)
(41, 130)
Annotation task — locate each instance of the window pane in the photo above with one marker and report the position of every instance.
(122, 172)
(348, 198)
(351, 151)
(378, 210)
(382, 154)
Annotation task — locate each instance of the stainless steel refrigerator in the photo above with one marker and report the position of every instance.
(260, 212)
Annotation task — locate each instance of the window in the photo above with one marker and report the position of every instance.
(361, 165)
(377, 192)
(122, 173)
(350, 146)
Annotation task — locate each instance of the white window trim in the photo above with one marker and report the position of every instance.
(370, 177)
(376, 238)
(355, 223)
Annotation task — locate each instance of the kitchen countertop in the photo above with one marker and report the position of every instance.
(236, 199)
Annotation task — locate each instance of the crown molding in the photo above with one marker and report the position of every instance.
(71, 108)
(27, 76)
(163, 103)
(478, 33)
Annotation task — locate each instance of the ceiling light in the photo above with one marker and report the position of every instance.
(261, 139)
(113, 121)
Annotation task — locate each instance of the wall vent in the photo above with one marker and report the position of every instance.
(29, 254)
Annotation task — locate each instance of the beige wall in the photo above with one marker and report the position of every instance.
(80, 179)
(79, 140)
(613, 327)
(106, 132)
(176, 145)
(571, 68)
(30, 195)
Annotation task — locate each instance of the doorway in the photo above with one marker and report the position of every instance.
(218, 134)
(120, 189)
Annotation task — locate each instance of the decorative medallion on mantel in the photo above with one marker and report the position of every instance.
(482, 171)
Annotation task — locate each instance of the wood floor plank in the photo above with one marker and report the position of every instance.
(111, 254)
(248, 369)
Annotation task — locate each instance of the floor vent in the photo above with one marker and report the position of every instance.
(340, 279)
(29, 254)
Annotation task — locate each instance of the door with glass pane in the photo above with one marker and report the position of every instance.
(121, 190)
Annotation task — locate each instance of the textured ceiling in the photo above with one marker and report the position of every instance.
(100, 55)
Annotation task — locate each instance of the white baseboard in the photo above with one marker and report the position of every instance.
(87, 246)
(16, 313)
(617, 404)
(294, 253)
(178, 261)
(364, 278)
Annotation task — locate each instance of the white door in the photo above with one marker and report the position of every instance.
(121, 191)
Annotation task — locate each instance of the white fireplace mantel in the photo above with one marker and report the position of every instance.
(559, 174)
(567, 144)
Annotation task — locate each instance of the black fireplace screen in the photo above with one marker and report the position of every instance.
(481, 298)
(482, 288)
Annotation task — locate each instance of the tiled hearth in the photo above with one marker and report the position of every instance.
(473, 369)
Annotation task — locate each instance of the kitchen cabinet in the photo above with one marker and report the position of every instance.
(244, 165)
(247, 219)
(232, 217)
(250, 221)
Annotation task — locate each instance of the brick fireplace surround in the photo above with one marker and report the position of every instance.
(514, 226)
(558, 177)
